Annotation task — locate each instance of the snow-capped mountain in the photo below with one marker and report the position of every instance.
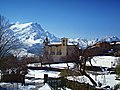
(83, 43)
(31, 35)
(110, 39)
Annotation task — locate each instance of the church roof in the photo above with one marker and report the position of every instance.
(59, 43)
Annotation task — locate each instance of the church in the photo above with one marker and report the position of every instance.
(58, 52)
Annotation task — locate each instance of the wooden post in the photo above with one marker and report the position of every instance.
(45, 78)
(23, 79)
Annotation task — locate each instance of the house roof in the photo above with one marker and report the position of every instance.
(55, 43)
(59, 43)
(115, 43)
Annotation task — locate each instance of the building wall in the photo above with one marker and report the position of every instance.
(60, 53)
(64, 46)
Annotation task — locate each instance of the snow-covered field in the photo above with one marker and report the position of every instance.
(104, 61)
(36, 81)
(40, 73)
(60, 66)
(104, 78)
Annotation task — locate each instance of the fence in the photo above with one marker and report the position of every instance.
(62, 82)
(17, 78)
(75, 85)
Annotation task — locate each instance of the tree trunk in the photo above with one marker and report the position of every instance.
(84, 73)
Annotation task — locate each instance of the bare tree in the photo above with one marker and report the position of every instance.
(7, 38)
(86, 55)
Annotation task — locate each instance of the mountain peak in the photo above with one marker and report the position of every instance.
(31, 35)
(20, 25)
(110, 39)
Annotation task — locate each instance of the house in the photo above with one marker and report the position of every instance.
(103, 45)
(98, 49)
(63, 51)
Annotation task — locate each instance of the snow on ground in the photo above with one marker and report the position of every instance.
(104, 61)
(67, 89)
(61, 65)
(45, 87)
(34, 65)
(38, 77)
(16, 86)
(30, 87)
(40, 73)
(48, 87)
(106, 80)
(104, 77)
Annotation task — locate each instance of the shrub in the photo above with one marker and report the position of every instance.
(117, 70)
(117, 86)
(65, 73)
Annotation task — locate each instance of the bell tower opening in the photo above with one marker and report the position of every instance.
(64, 41)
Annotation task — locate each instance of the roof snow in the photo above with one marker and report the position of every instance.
(55, 43)
(58, 43)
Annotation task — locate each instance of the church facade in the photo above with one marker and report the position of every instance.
(63, 51)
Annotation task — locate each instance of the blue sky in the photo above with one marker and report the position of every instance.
(67, 18)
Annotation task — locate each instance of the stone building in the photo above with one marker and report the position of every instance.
(63, 51)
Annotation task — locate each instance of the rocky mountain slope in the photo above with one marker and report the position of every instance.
(31, 36)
